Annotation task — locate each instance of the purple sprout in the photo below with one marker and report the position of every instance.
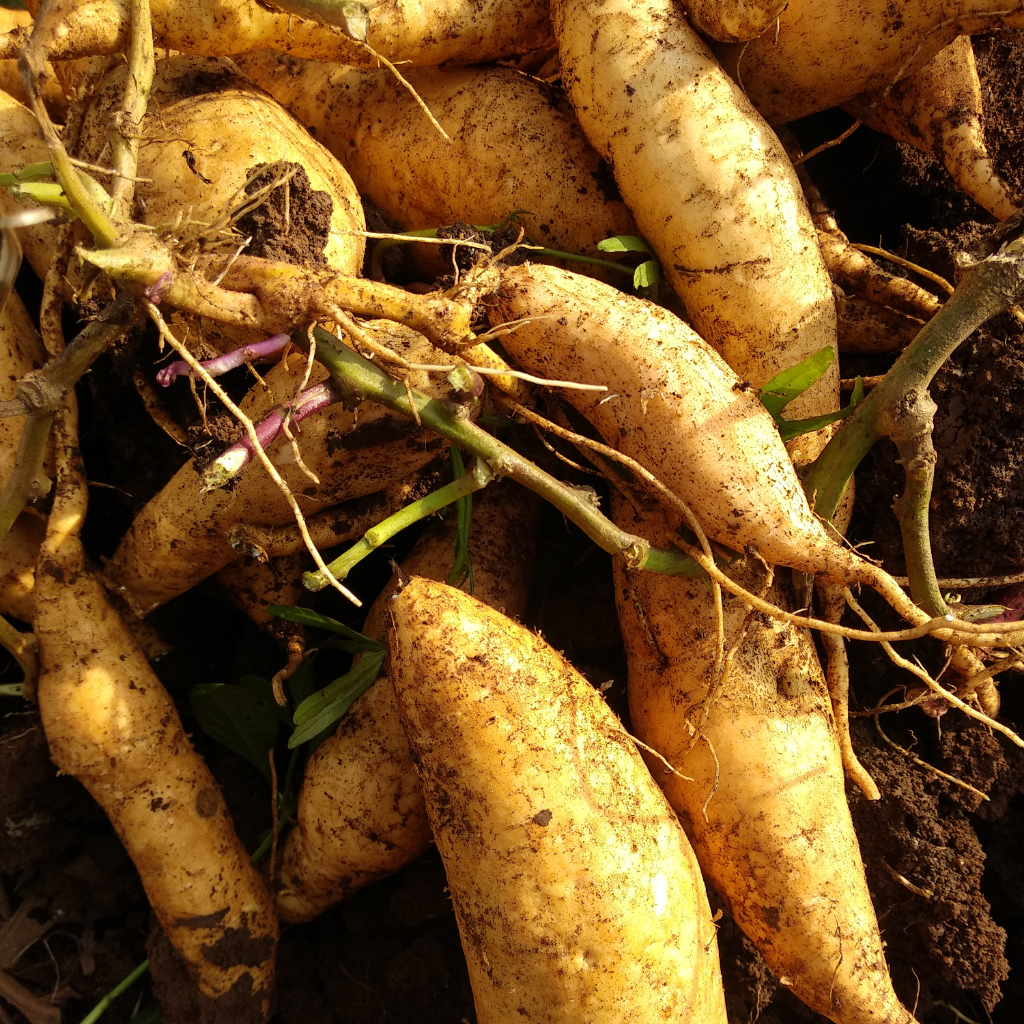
(233, 460)
(221, 364)
(156, 291)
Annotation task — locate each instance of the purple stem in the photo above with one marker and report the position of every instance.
(228, 361)
(233, 460)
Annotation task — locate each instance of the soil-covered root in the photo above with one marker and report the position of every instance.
(181, 536)
(407, 31)
(708, 181)
(361, 813)
(110, 723)
(868, 328)
(939, 110)
(857, 46)
(516, 146)
(576, 892)
(764, 801)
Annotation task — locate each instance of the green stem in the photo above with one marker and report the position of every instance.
(43, 391)
(985, 289)
(119, 989)
(911, 508)
(479, 477)
(362, 380)
(573, 257)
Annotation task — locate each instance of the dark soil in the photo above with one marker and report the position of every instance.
(943, 864)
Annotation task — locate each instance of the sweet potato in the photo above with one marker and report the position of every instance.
(825, 54)
(19, 22)
(939, 110)
(674, 406)
(19, 552)
(361, 813)
(110, 723)
(516, 146)
(463, 31)
(181, 536)
(732, 21)
(21, 350)
(707, 180)
(766, 808)
(576, 893)
(206, 131)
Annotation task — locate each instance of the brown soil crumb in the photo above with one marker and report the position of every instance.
(293, 223)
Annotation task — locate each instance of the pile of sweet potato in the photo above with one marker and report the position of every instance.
(179, 148)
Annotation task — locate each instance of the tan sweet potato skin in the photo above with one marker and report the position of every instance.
(21, 143)
(180, 537)
(361, 813)
(110, 723)
(516, 146)
(21, 350)
(576, 893)
(19, 552)
(424, 34)
(827, 53)
(678, 409)
(708, 181)
(777, 843)
(733, 21)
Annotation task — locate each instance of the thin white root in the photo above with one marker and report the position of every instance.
(837, 675)
(927, 679)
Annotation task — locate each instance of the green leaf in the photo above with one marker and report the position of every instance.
(149, 1014)
(624, 243)
(302, 681)
(239, 718)
(788, 429)
(647, 275)
(264, 689)
(306, 617)
(783, 388)
(321, 710)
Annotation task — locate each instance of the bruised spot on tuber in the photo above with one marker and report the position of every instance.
(207, 803)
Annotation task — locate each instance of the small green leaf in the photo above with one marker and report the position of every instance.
(624, 243)
(306, 617)
(783, 388)
(321, 710)
(789, 429)
(647, 275)
(264, 689)
(239, 718)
